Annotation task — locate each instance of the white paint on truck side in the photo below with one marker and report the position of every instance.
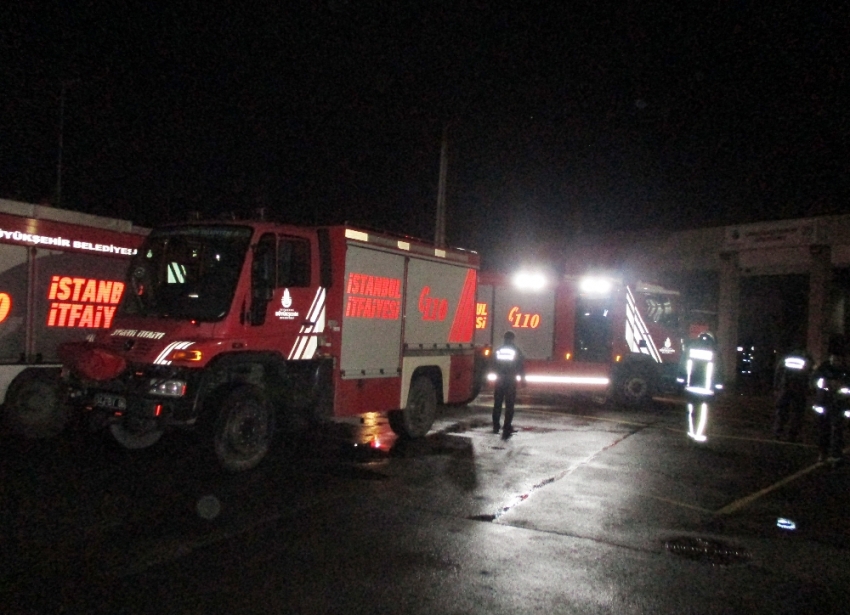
(410, 364)
(371, 313)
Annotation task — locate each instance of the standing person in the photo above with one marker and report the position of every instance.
(700, 371)
(791, 386)
(509, 365)
(832, 399)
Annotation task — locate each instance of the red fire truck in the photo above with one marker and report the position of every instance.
(245, 328)
(584, 334)
(61, 277)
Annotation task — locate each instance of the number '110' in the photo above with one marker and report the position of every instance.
(520, 320)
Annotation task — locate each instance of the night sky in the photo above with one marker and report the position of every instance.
(602, 116)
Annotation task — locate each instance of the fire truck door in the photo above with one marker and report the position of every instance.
(594, 329)
(284, 299)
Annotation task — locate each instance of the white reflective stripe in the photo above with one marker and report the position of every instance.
(176, 273)
(544, 379)
(162, 357)
(636, 330)
(505, 354)
(305, 344)
(701, 354)
(795, 363)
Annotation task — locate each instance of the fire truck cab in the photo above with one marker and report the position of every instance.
(599, 335)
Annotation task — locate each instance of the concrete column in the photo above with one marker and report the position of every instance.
(728, 305)
(820, 278)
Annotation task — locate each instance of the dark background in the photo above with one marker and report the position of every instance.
(593, 117)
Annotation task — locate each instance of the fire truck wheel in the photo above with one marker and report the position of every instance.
(244, 429)
(415, 420)
(33, 408)
(634, 387)
(135, 437)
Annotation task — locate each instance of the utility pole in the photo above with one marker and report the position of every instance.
(58, 202)
(440, 233)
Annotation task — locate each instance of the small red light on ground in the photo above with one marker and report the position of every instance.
(158, 410)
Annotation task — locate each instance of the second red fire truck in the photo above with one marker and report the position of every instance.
(61, 278)
(245, 328)
(585, 334)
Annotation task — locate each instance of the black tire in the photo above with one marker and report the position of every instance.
(635, 386)
(34, 406)
(244, 429)
(135, 435)
(416, 419)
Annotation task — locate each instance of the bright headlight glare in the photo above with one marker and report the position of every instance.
(596, 286)
(168, 388)
(528, 280)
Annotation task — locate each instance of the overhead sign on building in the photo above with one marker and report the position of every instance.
(782, 233)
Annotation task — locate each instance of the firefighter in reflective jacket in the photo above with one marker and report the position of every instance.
(832, 401)
(700, 372)
(791, 387)
(700, 377)
(508, 366)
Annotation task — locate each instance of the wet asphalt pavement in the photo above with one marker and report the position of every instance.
(585, 509)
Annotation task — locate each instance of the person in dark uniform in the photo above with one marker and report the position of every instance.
(791, 387)
(508, 364)
(832, 401)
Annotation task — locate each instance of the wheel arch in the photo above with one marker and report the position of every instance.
(435, 368)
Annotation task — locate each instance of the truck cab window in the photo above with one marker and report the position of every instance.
(293, 262)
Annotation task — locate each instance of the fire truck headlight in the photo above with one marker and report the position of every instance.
(596, 286)
(530, 281)
(168, 388)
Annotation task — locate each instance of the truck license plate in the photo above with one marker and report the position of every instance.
(113, 402)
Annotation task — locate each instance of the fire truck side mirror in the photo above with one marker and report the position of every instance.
(262, 277)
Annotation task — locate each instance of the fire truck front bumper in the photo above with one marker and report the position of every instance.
(153, 400)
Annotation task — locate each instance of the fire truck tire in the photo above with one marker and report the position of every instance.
(634, 387)
(416, 419)
(33, 407)
(244, 429)
(133, 437)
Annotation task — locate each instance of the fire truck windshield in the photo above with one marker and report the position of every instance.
(186, 272)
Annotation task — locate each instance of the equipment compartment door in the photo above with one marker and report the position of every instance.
(372, 316)
(530, 315)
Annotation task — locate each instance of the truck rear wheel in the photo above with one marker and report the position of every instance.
(634, 386)
(416, 419)
(244, 429)
(34, 407)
